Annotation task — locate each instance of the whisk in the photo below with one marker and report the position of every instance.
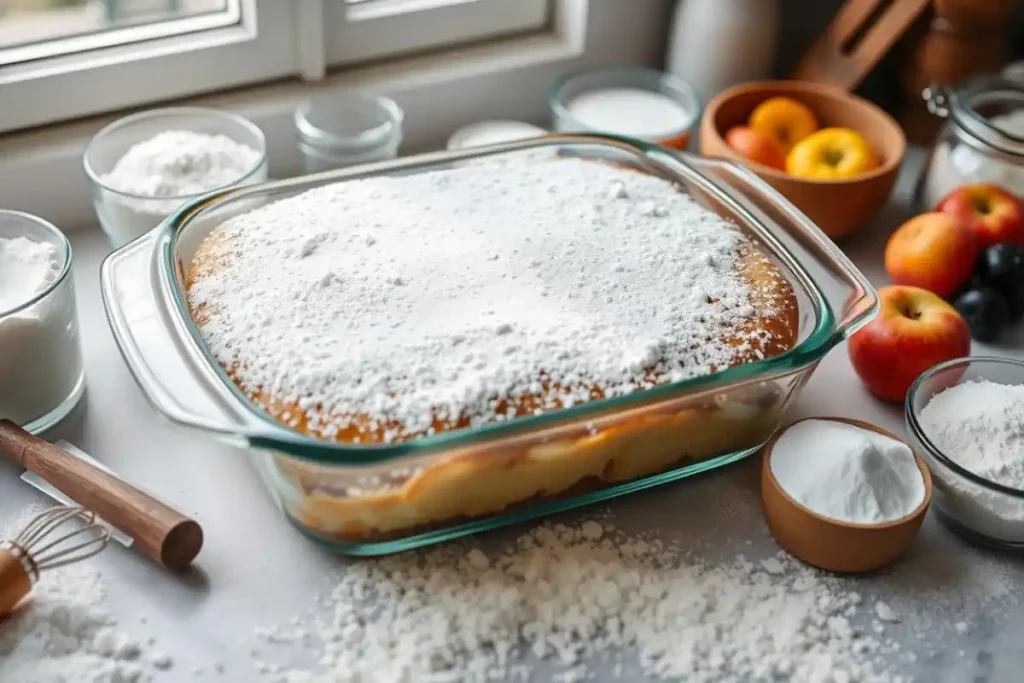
(59, 536)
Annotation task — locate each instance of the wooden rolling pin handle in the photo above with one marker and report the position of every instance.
(160, 532)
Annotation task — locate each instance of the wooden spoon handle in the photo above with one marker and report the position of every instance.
(160, 532)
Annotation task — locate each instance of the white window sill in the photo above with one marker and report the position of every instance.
(41, 171)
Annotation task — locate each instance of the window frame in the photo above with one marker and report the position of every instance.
(365, 31)
(263, 45)
(259, 47)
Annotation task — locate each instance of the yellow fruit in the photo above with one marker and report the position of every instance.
(831, 154)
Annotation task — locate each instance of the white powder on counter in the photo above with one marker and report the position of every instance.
(171, 167)
(980, 426)
(633, 112)
(847, 473)
(566, 597)
(39, 352)
(64, 633)
(440, 294)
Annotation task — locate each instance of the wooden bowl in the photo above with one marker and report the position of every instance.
(838, 207)
(831, 544)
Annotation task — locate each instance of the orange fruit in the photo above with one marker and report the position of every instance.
(785, 120)
(756, 146)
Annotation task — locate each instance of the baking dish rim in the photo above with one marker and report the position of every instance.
(268, 434)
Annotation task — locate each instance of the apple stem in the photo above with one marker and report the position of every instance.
(911, 313)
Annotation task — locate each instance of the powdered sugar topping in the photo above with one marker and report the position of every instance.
(447, 296)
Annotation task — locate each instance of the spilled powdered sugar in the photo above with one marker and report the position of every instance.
(568, 594)
(438, 294)
(65, 633)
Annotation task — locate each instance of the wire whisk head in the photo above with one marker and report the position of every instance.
(59, 536)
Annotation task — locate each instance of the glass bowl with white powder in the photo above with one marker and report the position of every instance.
(967, 419)
(41, 375)
(145, 166)
(982, 140)
(632, 101)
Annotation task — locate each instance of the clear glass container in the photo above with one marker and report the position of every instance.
(623, 109)
(982, 140)
(41, 373)
(125, 216)
(346, 128)
(340, 493)
(977, 508)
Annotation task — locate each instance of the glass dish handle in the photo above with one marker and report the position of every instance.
(849, 293)
(150, 352)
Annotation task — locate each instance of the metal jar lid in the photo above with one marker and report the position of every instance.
(970, 106)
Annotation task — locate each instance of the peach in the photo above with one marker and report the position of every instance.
(756, 147)
(934, 251)
(913, 331)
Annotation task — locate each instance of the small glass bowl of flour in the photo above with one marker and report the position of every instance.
(967, 418)
(41, 375)
(146, 166)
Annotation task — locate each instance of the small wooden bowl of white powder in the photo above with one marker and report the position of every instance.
(843, 495)
(967, 417)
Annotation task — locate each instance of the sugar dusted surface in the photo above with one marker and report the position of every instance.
(453, 298)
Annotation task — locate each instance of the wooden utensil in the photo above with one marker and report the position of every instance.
(860, 35)
(57, 537)
(963, 38)
(829, 543)
(160, 532)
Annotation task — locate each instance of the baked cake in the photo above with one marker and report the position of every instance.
(392, 308)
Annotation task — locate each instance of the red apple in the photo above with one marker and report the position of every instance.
(934, 251)
(994, 214)
(914, 330)
(756, 146)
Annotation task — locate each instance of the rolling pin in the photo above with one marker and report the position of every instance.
(160, 532)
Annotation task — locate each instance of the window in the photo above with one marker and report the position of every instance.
(35, 29)
(64, 59)
(361, 30)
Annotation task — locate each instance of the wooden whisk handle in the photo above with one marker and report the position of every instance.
(15, 583)
(160, 532)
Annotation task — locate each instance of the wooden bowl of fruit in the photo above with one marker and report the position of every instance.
(832, 154)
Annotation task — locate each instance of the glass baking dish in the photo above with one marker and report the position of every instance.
(376, 499)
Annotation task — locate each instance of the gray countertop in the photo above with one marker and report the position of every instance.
(255, 570)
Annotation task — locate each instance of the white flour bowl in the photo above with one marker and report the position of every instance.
(130, 202)
(974, 506)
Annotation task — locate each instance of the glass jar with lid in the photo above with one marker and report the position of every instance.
(347, 127)
(982, 140)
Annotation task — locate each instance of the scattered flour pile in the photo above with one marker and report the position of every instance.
(568, 595)
(66, 634)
